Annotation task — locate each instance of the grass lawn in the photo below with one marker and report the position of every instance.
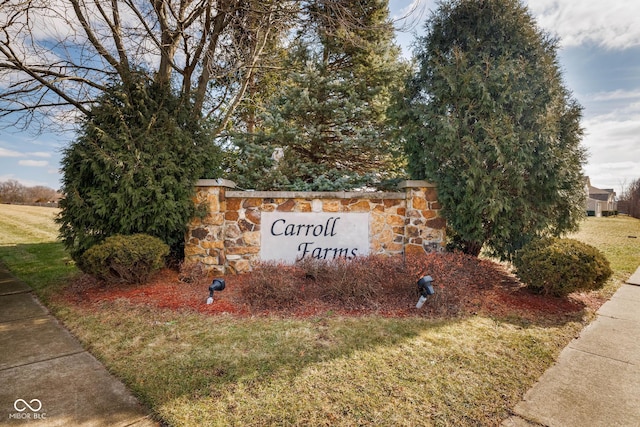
(28, 247)
(619, 239)
(197, 369)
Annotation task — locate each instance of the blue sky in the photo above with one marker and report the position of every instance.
(600, 57)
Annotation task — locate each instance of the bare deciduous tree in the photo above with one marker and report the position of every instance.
(12, 191)
(58, 56)
(41, 194)
(629, 202)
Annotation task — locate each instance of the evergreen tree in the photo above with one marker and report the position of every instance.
(133, 168)
(489, 120)
(326, 128)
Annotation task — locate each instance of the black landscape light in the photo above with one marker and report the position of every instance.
(216, 285)
(425, 288)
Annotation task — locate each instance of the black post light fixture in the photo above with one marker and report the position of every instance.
(425, 288)
(216, 285)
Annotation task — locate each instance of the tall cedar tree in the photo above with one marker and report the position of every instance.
(489, 120)
(326, 126)
(133, 168)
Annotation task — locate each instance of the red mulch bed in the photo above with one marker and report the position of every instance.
(463, 286)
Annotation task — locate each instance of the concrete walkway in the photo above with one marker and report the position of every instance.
(596, 379)
(46, 377)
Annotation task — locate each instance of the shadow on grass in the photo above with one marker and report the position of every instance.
(171, 354)
(175, 362)
(46, 267)
(165, 354)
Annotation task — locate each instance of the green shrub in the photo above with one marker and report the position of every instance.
(125, 259)
(554, 266)
(133, 168)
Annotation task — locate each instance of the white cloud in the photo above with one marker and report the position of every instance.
(617, 95)
(614, 149)
(615, 131)
(619, 109)
(610, 24)
(413, 11)
(34, 163)
(408, 17)
(40, 154)
(51, 33)
(25, 182)
(9, 153)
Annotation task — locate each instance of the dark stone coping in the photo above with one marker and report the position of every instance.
(313, 195)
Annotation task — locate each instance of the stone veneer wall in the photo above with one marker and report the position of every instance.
(228, 239)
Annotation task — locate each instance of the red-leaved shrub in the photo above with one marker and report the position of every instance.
(272, 286)
(364, 283)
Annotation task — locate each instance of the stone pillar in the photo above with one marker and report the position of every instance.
(205, 239)
(424, 227)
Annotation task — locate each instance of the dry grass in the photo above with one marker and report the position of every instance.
(27, 224)
(327, 370)
(619, 239)
(29, 247)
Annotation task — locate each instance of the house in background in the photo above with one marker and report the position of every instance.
(600, 202)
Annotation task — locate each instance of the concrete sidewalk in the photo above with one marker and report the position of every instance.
(596, 379)
(46, 377)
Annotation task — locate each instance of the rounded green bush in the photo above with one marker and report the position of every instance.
(125, 259)
(554, 266)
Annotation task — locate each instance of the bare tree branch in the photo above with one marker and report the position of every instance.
(59, 56)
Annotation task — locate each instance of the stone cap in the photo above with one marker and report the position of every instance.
(221, 182)
(415, 184)
(314, 195)
(217, 182)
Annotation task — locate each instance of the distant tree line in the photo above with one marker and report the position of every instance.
(629, 202)
(12, 191)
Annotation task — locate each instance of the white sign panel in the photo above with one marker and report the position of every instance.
(291, 236)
